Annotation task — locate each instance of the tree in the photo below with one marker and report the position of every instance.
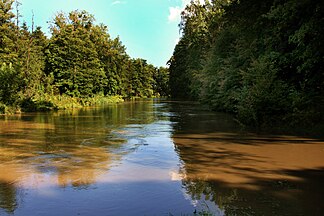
(161, 82)
(32, 60)
(113, 58)
(260, 60)
(72, 56)
(80, 60)
(191, 51)
(8, 35)
(10, 84)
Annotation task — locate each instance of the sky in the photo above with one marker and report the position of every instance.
(148, 28)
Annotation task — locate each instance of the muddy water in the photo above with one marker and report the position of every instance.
(154, 158)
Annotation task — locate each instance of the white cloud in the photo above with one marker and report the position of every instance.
(118, 2)
(175, 12)
(185, 2)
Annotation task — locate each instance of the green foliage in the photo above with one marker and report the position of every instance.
(32, 105)
(79, 65)
(85, 61)
(263, 95)
(32, 60)
(8, 36)
(191, 52)
(10, 84)
(141, 79)
(72, 57)
(99, 100)
(161, 82)
(261, 60)
(48, 102)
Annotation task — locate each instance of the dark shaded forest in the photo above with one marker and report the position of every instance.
(259, 60)
(79, 64)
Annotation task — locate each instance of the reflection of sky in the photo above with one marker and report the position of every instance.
(91, 164)
(142, 159)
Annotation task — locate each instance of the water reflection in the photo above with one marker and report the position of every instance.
(8, 199)
(154, 158)
(67, 148)
(247, 173)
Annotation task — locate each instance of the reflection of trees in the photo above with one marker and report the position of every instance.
(72, 162)
(245, 173)
(8, 200)
(73, 148)
(276, 197)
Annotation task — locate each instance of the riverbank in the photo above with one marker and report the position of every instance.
(48, 102)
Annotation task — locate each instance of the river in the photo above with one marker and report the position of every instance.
(154, 157)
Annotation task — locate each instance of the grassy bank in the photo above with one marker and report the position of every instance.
(55, 102)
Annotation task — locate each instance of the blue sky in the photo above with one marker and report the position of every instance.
(148, 28)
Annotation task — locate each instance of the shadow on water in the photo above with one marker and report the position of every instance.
(248, 172)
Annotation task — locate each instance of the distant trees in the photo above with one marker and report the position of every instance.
(161, 82)
(72, 57)
(80, 60)
(85, 61)
(261, 60)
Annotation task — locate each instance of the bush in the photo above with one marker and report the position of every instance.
(264, 98)
(10, 84)
(3, 108)
(32, 105)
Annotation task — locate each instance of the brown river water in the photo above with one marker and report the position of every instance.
(154, 157)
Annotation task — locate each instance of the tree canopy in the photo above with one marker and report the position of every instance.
(79, 60)
(261, 60)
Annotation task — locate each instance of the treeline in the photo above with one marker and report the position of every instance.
(79, 62)
(261, 60)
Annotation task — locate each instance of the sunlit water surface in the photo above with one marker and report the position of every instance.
(154, 157)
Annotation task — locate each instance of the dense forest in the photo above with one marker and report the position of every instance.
(260, 60)
(79, 64)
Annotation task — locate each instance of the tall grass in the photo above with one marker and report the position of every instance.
(47, 102)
